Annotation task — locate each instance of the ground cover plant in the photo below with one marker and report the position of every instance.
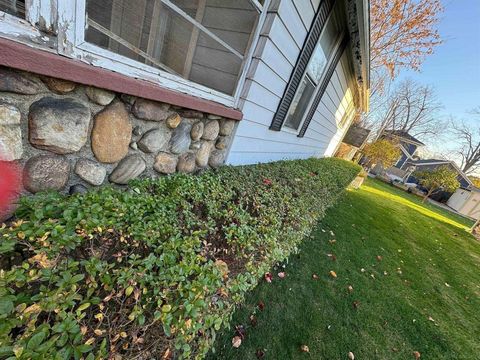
(153, 271)
(383, 276)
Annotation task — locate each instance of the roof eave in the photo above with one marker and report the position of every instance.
(359, 27)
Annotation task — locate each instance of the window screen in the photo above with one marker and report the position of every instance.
(204, 41)
(13, 7)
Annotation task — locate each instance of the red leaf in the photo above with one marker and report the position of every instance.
(267, 181)
(281, 275)
(261, 305)
(268, 277)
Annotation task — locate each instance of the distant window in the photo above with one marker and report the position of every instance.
(204, 41)
(13, 7)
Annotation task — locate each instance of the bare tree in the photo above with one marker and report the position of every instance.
(468, 138)
(410, 107)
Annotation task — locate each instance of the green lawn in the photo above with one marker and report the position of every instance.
(423, 294)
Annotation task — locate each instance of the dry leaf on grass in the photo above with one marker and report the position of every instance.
(236, 341)
(350, 288)
(304, 348)
(268, 277)
(281, 275)
(417, 355)
(314, 276)
(351, 356)
(333, 274)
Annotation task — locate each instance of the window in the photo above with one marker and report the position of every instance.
(312, 77)
(204, 41)
(199, 47)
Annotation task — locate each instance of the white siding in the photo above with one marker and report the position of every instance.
(275, 57)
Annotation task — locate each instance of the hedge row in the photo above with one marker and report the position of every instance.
(155, 270)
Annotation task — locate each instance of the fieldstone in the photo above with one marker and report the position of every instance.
(203, 154)
(20, 83)
(214, 117)
(211, 129)
(216, 158)
(165, 163)
(173, 121)
(186, 163)
(99, 96)
(137, 131)
(150, 110)
(181, 140)
(133, 145)
(221, 143)
(11, 147)
(197, 131)
(58, 125)
(77, 189)
(59, 86)
(226, 127)
(90, 171)
(195, 145)
(8, 211)
(127, 169)
(191, 114)
(111, 133)
(45, 172)
(154, 140)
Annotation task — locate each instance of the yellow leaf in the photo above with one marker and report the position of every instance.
(98, 332)
(333, 274)
(129, 290)
(123, 334)
(99, 316)
(21, 235)
(90, 341)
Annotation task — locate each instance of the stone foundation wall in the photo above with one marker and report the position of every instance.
(69, 137)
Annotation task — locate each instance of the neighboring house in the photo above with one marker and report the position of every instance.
(158, 86)
(407, 144)
(354, 140)
(466, 202)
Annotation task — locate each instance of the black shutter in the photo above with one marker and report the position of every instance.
(323, 86)
(321, 17)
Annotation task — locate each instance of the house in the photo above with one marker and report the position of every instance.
(353, 141)
(407, 144)
(107, 91)
(466, 202)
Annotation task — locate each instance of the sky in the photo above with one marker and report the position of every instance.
(454, 69)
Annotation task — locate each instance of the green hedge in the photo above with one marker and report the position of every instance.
(157, 268)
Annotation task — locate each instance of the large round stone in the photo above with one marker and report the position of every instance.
(197, 131)
(154, 140)
(222, 143)
(45, 172)
(217, 158)
(127, 169)
(203, 154)
(150, 110)
(226, 127)
(11, 147)
(90, 171)
(181, 140)
(17, 82)
(173, 121)
(186, 163)
(165, 163)
(111, 133)
(58, 125)
(99, 96)
(211, 129)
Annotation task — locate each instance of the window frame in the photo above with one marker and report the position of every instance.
(65, 22)
(330, 58)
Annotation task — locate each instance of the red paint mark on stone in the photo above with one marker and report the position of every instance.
(10, 185)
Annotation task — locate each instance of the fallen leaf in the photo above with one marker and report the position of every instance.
(305, 348)
(447, 284)
(281, 275)
(98, 332)
(333, 274)
(236, 341)
(253, 320)
(267, 181)
(351, 356)
(332, 233)
(417, 355)
(167, 355)
(261, 305)
(379, 258)
(260, 353)
(315, 276)
(394, 349)
(350, 288)
(362, 270)
(333, 241)
(268, 277)
(431, 319)
(356, 304)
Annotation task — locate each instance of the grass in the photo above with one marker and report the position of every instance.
(422, 295)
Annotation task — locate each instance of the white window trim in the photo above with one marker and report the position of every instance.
(67, 18)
